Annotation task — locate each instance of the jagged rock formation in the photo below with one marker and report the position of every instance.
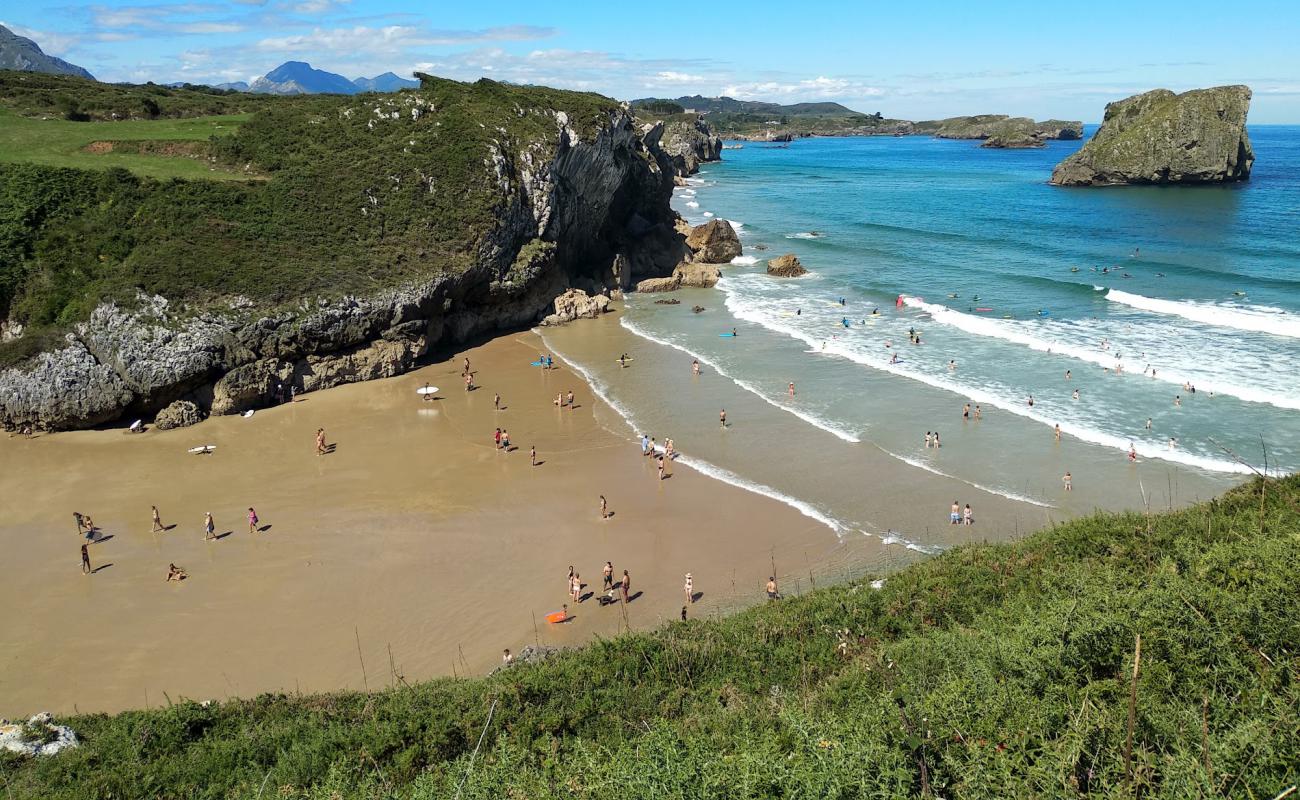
(699, 275)
(689, 144)
(1012, 141)
(786, 266)
(181, 414)
(1159, 137)
(20, 53)
(714, 242)
(581, 208)
(576, 304)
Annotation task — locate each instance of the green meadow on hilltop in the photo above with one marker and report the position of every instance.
(1008, 670)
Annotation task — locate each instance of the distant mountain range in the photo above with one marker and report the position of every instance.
(299, 77)
(20, 53)
(729, 105)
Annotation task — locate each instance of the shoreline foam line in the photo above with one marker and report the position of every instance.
(998, 329)
(699, 465)
(1010, 495)
(816, 422)
(1277, 323)
(983, 396)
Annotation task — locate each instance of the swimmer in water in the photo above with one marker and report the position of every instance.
(1076, 394)
(1148, 423)
(1067, 374)
(798, 312)
(952, 364)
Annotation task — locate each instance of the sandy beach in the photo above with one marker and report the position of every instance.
(414, 548)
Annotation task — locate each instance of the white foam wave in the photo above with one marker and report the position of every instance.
(692, 204)
(803, 235)
(742, 309)
(811, 419)
(699, 465)
(919, 464)
(708, 213)
(744, 261)
(738, 227)
(1012, 332)
(1261, 319)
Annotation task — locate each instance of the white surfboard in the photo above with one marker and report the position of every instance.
(207, 448)
(427, 390)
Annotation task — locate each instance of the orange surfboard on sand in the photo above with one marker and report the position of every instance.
(556, 616)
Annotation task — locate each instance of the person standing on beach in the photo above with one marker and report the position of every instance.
(929, 440)
(90, 528)
(722, 417)
(570, 400)
(792, 388)
(1132, 453)
(465, 371)
(609, 573)
(505, 440)
(1068, 481)
(1058, 431)
(772, 593)
(1031, 401)
(604, 508)
(689, 586)
(496, 402)
(695, 368)
(661, 468)
(532, 455)
(967, 518)
(252, 520)
(85, 559)
(469, 381)
(209, 527)
(977, 412)
(576, 586)
(645, 446)
(954, 516)
(320, 441)
(936, 440)
(293, 393)
(965, 412)
(496, 438)
(81, 522)
(626, 586)
(157, 520)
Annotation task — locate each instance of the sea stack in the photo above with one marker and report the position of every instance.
(1159, 137)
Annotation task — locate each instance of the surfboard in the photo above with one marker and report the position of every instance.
(556, 616)
(726, 335)
(427, 390)
(983, 310)
(248, 413)
(535, 364)
(207, 448)
(626, 360)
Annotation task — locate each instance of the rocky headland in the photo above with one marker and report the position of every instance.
(575, 209)
(1158, 137)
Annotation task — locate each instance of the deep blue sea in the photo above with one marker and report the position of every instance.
(1140, 294)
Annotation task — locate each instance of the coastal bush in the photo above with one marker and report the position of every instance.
(989, 671)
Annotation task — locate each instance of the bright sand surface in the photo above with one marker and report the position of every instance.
(414, 543)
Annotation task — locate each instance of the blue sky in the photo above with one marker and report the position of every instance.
(911, 59)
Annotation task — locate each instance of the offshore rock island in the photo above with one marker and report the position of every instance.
(1159, 137)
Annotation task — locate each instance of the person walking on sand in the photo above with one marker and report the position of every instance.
(320, 441)
(505, 440)
(469, 381)
(209, 527)
(722, 417)
(966, 517)
(85, 559)
(609, 575)
(157, 520)
(496, 402)
(645, 444)
(90, 528)
(689, 586)
(465, 371)
(81, 522)
(252, 520)
(1068, 481)
(626, 586)
(604, 508)
(772, 593)
(1058, 431)
(496, 438)
(532, 455)
(661, 468)
(954, 516)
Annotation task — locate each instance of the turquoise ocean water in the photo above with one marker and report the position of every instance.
(1013, 281)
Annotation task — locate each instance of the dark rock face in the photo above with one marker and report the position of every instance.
(786, 266)
(689, 144)
(714, 242)
(1159, 137)
(591, 214)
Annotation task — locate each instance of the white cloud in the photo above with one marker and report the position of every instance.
(670, 76)
(51, 43)
(819, 88)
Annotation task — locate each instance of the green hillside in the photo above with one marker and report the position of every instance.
(335, 198)
(992, 671)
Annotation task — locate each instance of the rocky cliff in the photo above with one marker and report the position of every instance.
(1002, 127)
(1159, 137)
(572, 206)
(690, 143)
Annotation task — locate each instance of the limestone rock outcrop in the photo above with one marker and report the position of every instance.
(714, 242)
(669, 284)
(180, 414)
(576, 304)
(1159, 137)
(786, 266)
(701, 276)
(689, 144)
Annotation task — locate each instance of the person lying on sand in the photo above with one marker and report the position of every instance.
(175, 573)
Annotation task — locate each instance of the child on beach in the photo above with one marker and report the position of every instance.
(967, 518)
(209, 527)
(252, 520)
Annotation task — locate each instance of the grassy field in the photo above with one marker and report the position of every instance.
(992, 671)
(60, 143)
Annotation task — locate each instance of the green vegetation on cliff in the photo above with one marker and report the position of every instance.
(360, 192)
(990, 671)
